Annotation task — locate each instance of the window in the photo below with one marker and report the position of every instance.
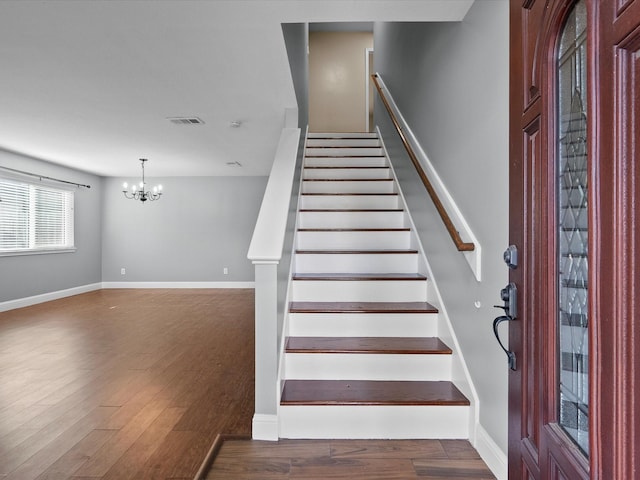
(34, 218)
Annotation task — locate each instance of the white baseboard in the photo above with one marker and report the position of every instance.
(264, 427)
(492, 455)
(47, 297)
(178, 284)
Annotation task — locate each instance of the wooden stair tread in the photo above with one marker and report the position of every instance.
(345, 156)
(355, 252)
(403, 229)
(336, 210)
(361, 307)
(372, 345)
(342, 167)
(358, 276)
(354, 194)
(371, 392)
(347, 180)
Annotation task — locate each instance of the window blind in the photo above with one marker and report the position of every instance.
(33, 217)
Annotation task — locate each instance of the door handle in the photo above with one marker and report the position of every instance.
(509, 296)
(511, 357)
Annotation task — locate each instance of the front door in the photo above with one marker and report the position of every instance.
(574, 218)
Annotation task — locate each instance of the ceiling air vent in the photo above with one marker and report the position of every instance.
(185, 120)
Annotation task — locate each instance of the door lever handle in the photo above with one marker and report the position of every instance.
(511, 356)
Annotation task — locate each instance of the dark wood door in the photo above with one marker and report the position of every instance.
(574, 202)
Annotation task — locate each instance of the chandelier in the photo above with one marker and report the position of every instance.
(140, 192)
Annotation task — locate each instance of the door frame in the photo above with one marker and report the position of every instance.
(368, 86)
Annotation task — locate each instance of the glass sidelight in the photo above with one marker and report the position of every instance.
(572, 230)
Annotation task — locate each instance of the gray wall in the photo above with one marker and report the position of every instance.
(199, 226)
(450, 82)
(28, 275)
(296, 39)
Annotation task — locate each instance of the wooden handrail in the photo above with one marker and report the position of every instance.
(455, 235)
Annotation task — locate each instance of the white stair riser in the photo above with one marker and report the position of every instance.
(375, 421)
(348, 187)
(334, 366)
(346, 173)
(363, 324)
(359, 291)
(366, 240)
(349, 201)
(343, 151)
(375, 161)
(342, 135)
(343, 142)
(356, 263)
(377, 219)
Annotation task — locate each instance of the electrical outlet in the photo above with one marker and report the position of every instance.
(123, 271)
(225, 270)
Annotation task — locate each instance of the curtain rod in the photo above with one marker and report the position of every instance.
(44, 177)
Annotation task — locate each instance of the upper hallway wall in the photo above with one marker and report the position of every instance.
(337, 95)
(450, 81)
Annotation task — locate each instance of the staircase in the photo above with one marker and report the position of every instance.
(362, 354)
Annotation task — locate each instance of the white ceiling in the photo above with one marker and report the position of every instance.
(90, 83)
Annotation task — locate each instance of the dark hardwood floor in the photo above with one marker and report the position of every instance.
(137, 384)
(124, 384)
(348, 460)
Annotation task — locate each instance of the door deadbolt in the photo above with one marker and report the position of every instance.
(510, 256)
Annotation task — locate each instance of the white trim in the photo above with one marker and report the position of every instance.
(264, 427)
(473, 258)
(36, 251)
(178, 284)
(492, 455)
(47, 297)
(367, 83)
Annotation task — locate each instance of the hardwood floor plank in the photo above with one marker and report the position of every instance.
(136, 456)
(267, 468)
(77, 455)
(181, 452)
(435, 469)
(408, 449)
(459, 449)
(347, 468)
(281, 448)
(45, 447)
(112, 450)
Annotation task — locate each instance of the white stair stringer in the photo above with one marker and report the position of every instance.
(355, 252)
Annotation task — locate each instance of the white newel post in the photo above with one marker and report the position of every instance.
(265, 419)
(265, 252)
